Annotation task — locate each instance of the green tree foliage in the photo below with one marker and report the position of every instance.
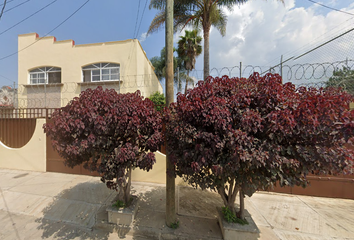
(109, 133)
(158, 99)
(198, 14)
(188, 50)
(242, 135)
(159, 63)
(343, 78)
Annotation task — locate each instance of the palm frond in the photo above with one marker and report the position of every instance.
(157, 23)
(219, 21)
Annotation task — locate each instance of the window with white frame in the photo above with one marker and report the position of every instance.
(101, 72)
(45, 75)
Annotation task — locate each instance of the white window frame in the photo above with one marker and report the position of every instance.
(43, 72)
(101, 72)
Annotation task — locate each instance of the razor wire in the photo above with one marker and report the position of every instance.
(56, 95)
(336, 74)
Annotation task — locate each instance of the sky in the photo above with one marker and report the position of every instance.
(258, 32)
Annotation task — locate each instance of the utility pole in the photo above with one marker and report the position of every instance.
(170, 178)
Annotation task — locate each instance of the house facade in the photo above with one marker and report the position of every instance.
(51, 72)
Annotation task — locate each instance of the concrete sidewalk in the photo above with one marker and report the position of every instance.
(35, 205)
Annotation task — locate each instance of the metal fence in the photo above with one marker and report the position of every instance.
(336, 74)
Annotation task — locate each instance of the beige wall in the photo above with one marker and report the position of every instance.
(157, 174)
(31, 157)
(136, 71)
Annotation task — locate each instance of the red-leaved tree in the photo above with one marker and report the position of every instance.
(109, 133)
(242, 135)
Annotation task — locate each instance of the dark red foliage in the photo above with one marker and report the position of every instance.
(107, 132)
(257, 131)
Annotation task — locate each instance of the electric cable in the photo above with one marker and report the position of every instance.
(28, 17)
(7, 2)
(331, 8)
(8, 10)
(137, 17)
(3, 8)
(141, 19)
(48, 32)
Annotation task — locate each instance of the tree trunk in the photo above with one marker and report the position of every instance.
(127, 187)
(206, 51)
(124, 188)
(187, 80)
(229, 199)
(171, 217)
(241, 213)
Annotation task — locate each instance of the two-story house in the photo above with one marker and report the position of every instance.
(51, 72)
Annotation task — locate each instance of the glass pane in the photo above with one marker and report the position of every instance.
(112, 65)
(40, 75)
(95, 72)
(87, 76)
(115, 70)
(54, 77)
(54, 69)
(89, 67)
(96, 78)
(105, 71)
(105, 77)
(114, 77)
(35, 70)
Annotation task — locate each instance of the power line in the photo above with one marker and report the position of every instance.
(137, 17)
(325, 43)
(7, 2)
(6, 78)
(3, 8)
(332, 33)
(48, 32)
(331, 8)
(28, 17)
(16, 6)
(141, 19)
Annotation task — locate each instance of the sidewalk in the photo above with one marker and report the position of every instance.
(35, 205)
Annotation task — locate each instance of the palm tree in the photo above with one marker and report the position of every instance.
(159, 63)
(188, 50)
(198, 14)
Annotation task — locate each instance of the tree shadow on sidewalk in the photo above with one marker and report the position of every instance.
(196, 213)
(73, 212)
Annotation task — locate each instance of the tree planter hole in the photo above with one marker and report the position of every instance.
(123, 216)
(234, 231)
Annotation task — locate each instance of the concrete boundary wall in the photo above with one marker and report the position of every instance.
(157, 174)
(31, 157)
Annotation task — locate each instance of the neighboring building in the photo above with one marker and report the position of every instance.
(51, 73)
(7, 97)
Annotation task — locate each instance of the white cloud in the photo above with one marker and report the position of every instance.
(259, 32)
(143, 37)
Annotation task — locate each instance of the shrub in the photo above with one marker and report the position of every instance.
(241, 135)
(109, 133)
(159, 100)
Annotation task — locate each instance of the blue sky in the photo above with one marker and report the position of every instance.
(257, 32)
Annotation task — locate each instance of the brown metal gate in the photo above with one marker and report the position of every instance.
(17, 125)
(341, 186)
(55, 163)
